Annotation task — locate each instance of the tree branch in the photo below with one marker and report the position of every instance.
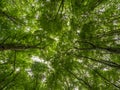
(98, 73)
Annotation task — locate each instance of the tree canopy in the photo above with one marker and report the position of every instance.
(59, 44)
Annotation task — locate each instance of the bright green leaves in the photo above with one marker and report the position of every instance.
(75, 44)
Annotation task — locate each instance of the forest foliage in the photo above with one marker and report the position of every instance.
(59, 44)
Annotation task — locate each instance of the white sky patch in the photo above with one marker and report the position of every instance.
(17, 69)
(68, 23)
(42, 5)
(105, 69)
(37, 15)
(80, 61)
(78, 31)
(36, 0)
(1, 61)
(117, 38)
(118, 6)
(106, 57)
(56, 39)
(29, 71)
(48, 0)
(33, 4)
(37, 59)
(40, 60)
(115, 22)
(44, 77)
(118, 81)
(102, 10)
(76, 88)
(27, 29)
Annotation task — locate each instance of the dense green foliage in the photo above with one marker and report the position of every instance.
(59, 44)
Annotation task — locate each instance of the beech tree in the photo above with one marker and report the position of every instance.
(59, 44)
